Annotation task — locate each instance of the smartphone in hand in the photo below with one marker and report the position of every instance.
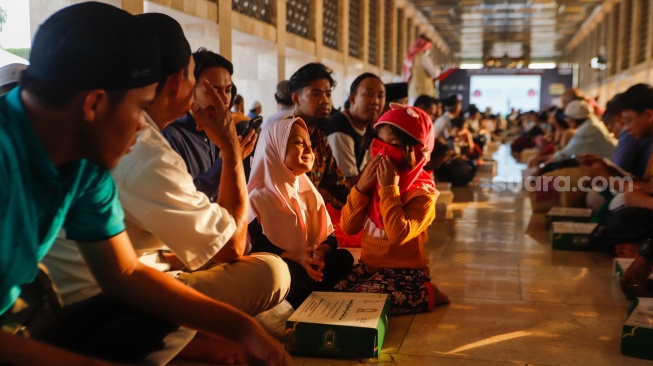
(252, 124)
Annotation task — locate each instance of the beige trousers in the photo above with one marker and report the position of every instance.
(253, 284)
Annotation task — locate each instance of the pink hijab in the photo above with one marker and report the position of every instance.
(288, 207)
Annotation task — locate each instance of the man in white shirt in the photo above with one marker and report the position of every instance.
(442, 125)
(591, 137)
(75, 114)
(163, 209)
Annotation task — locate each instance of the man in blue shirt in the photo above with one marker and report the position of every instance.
(199, 153)
(93, 69)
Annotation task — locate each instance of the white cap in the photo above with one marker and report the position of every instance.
(578, 109)
(11, 73)
(255, 104)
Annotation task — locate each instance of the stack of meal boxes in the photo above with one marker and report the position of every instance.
(637, 331)
(570, 227)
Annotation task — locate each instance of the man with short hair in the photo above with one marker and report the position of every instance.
(452, 108)
(285, 106)
(201, 155)
(428, 105)
(311, 88)
(60, 130)
(347, 129)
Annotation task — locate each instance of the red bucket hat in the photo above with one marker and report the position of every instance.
(414, 122)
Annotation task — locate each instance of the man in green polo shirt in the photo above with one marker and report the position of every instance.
(93, 69)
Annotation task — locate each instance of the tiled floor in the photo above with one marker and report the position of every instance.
(514, 301)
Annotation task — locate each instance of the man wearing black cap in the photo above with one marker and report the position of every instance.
(175, 215)
(442, 125)
(93, 70)
(395, 93)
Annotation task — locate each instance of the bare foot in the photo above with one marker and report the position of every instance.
(626, 250)
(211, 350)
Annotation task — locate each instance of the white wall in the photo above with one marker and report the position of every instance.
(255, 70)
(40, 10)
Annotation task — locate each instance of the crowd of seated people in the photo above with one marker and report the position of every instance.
(624, 215)
(614, 145)
(135, 210)
(79, 116)
(460, 138)
(141, 222)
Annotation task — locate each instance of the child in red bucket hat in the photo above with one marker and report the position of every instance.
(393, 203)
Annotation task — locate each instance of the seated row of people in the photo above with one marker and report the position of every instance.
(623, 210)
(624, 216)
(186, 200)
(77, 113)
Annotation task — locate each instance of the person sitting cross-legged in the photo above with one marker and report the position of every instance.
(289, 216)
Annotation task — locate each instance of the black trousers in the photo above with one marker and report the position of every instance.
(104, 329)
(337, 265)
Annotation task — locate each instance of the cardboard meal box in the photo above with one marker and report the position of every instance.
(571, 235)
(340, 324)
(637, 331)
(568, 214)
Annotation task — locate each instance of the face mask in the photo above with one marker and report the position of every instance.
(395, 153)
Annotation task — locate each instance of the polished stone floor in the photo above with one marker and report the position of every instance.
(514, 301)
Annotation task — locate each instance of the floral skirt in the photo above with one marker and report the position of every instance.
(409, 289)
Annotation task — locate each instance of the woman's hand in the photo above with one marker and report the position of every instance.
(386, 174)
(368, 178)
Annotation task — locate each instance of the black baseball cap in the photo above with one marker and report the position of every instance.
(395, 91)
(95, 46)
(175, 49)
